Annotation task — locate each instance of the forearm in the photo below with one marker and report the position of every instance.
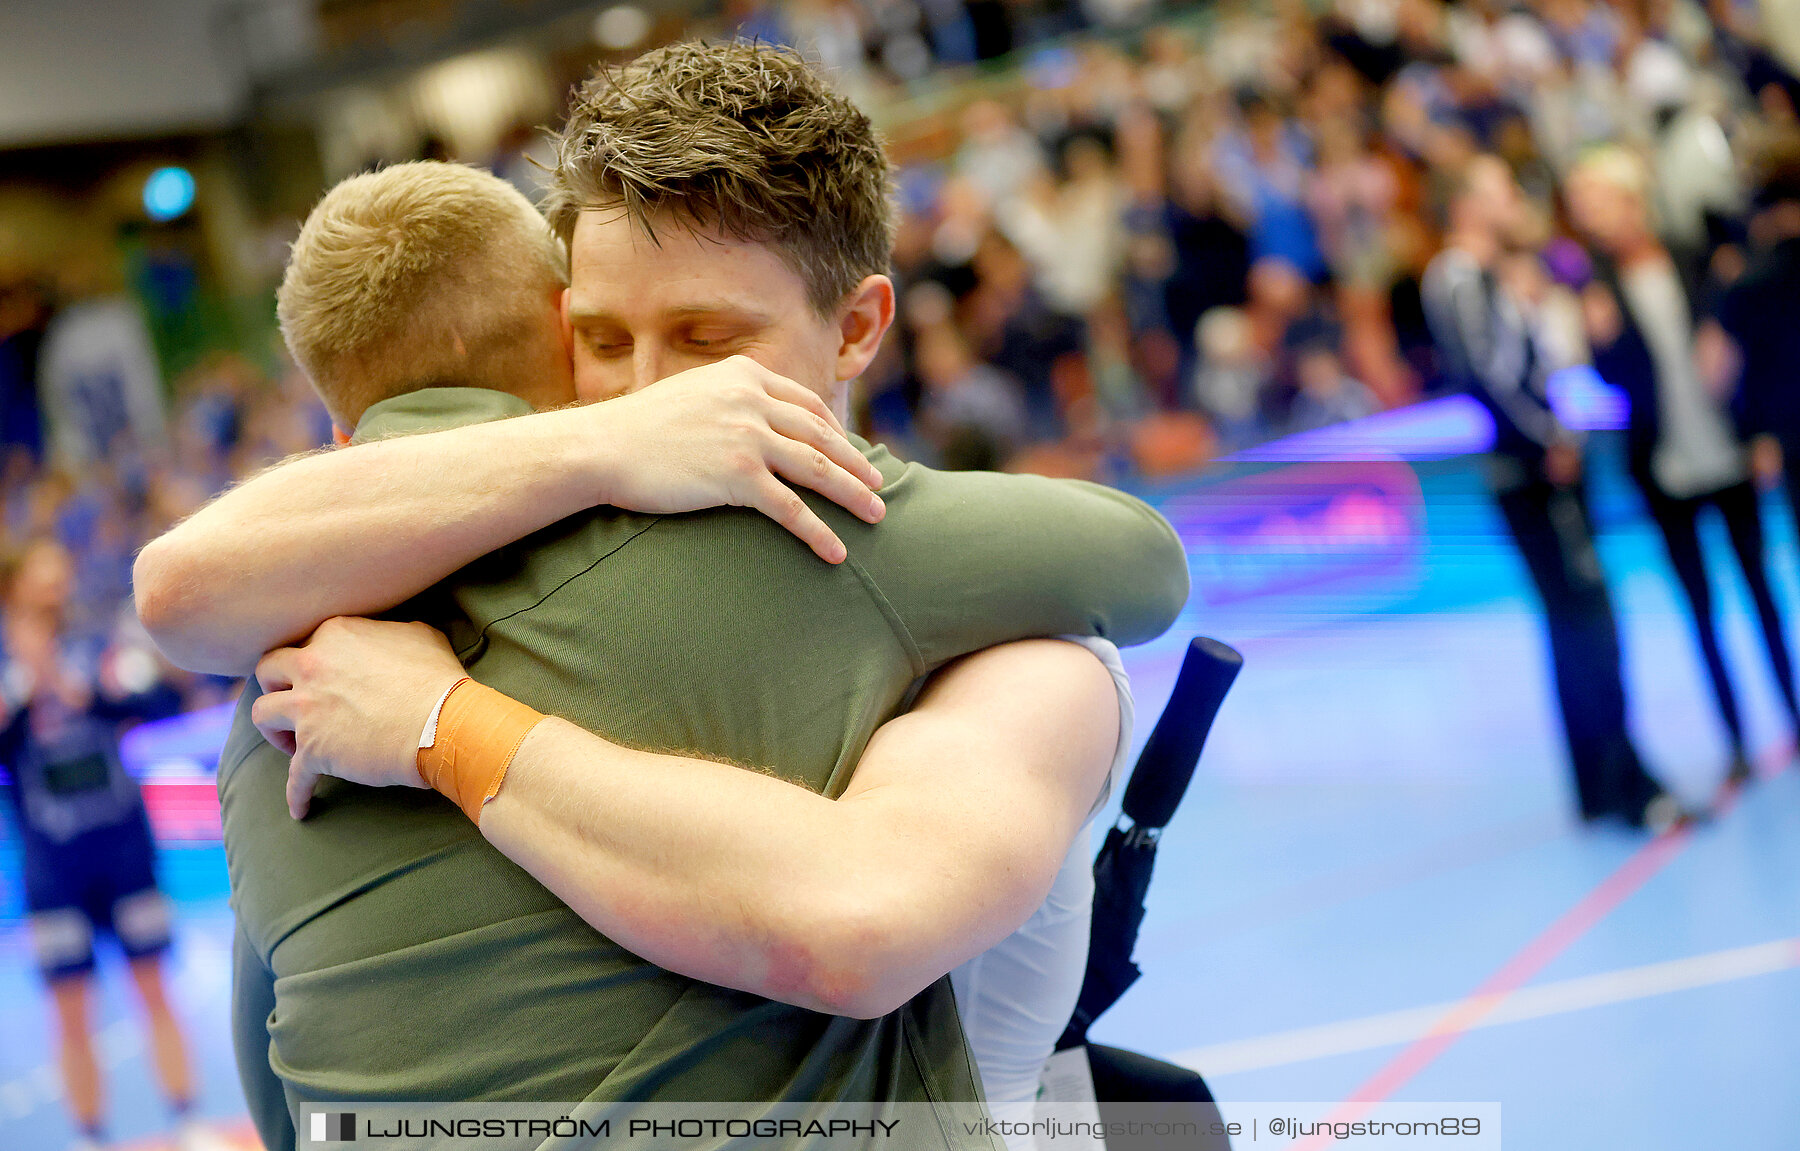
(722, 874)
(951, 831)
(849, 906)
(353, 532)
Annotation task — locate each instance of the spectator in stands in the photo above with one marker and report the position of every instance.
(24, 312)
(1351, 197)
(997, 154)
(1210, 249)
(1233, 375)
(1014, 328)
(1264, 167)
(1324, 393)
(972, 413)
(1071, 228)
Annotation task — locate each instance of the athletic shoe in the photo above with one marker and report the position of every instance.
(1665, 813)
(1740, 770)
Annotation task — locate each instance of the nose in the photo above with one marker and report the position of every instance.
(649, 363)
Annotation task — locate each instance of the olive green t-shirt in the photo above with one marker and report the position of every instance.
(388, 952)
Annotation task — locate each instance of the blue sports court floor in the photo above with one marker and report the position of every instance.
(1376, 888)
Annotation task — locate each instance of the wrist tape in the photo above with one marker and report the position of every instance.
(479, 731)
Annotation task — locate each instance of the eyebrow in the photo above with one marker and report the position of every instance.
(698, 308)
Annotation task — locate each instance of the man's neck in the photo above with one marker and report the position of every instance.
(1641, 250)
(1482, 245)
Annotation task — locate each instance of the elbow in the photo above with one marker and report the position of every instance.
(851, 963)
(870, 1006)
(172, 615)
(156, 594)
(862, 993)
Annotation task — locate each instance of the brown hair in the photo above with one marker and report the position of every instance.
(742, 139)
(418, 274)
(15, 554)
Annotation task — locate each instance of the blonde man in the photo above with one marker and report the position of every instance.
(1682, 450)
(377, 303)
(838, 900)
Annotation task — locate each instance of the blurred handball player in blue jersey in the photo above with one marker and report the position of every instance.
(87, 850)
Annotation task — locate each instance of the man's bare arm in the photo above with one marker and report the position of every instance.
(956, 820)
(955, 823)
(357, 531)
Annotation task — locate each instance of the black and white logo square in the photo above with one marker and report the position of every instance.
(333, 1127)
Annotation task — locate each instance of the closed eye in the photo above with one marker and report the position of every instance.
(710, 339)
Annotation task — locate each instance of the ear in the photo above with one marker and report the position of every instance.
(866, 318)
(562, 321)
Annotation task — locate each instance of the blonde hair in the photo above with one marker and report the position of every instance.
(413, 276)
(1617, 167)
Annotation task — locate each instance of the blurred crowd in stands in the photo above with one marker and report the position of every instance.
(1139, 250)
(94, 463)
(1137, 237)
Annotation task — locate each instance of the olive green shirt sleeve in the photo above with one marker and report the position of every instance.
(964, 560)
(252, 1001)
(981, 558)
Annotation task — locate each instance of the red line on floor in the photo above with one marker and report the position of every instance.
(1512, 975)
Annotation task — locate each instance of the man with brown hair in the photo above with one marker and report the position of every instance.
(828, 905)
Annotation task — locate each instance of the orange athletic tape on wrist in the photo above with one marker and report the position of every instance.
(478, 733)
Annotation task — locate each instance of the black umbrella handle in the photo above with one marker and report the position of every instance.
(1167, 764)
(1122, 870)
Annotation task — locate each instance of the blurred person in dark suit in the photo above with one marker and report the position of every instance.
(1489, 346)
(1761, 314)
